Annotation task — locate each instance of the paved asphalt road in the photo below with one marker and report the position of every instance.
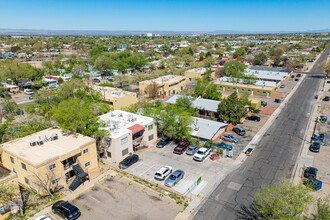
(273, 158)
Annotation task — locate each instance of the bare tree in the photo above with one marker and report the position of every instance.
(47, 182)
(11, 193)
(152, 90)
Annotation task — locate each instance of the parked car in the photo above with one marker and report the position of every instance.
(327, 98)
(181, 148)
(28, 91)
(292, 76)
(224, 146)
(315, 147)
(315, 137)
(240, 131)
(253, 118)
(163, 172)
(298, 75)
(162, 142)
(316, 96)
(282, 86)
(192, 150)
(43, 217)
(249, 151)
(174, 178)
(263, 103)
(230, 138)
(128, 161)
(310, 172)
(202, 153)
(66, 210)
(321, 137)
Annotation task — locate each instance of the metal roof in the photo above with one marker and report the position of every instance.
(205, 128)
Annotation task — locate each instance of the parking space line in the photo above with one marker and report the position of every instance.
(146, 170)
(137, 166)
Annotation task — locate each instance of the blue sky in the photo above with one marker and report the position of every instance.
(180, 15)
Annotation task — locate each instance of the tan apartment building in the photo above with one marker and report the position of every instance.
(52, 157)
(162, 86)
(117, 98)
(192, 74)
(261, 88)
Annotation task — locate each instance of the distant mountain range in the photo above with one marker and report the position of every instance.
(91, 32)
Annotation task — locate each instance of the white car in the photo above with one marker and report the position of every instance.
(163, 172)
(43, 217)
(202, 153)
(28, 91)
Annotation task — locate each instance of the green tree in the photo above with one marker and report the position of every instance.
(283, 200)
(232, 108)
(240, 53)
(233, 68)
(260, 59)
(322, 209)
(325, 65)
(79, 116)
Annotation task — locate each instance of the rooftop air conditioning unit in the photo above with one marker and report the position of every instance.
(33, 143)
(54, 137)
(40, 142)
(120, 115)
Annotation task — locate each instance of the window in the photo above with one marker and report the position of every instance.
(12, 160)
(23, 166)
(151, 137)
(124, 152)
(108, 154)
(124, 140)
(150, 127)
(26, 180)
(53, 166)
(87, 164)
(54, 182)
(85, 151)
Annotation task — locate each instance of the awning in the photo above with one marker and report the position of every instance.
(136, 128)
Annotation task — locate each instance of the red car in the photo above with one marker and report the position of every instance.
(181, 148)
(298, 75)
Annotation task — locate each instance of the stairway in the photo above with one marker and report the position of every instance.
(80, 177)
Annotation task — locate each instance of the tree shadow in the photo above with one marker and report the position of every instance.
(246, 213)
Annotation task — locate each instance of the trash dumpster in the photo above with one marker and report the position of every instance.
(278, 100)
(313, 183)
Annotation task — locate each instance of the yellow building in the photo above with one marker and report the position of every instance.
(51, 157)
(117, 98)
(162, 86)
(192, 74)
(243, 88)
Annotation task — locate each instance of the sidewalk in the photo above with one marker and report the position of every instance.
(198, 201)
(81, 189)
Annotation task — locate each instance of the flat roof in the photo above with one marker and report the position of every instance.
(197, 70)
(118, 122)
(165, 79)
(110, 93)
(50, 150)
(262, 74)
(259, 84)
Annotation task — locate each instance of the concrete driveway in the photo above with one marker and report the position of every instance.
(120, 198)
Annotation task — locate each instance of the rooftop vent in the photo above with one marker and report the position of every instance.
(33, 143)
(54, 137)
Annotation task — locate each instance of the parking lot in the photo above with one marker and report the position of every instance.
(154, 158)
(120, 198)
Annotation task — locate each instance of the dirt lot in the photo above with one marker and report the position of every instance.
(120, 198)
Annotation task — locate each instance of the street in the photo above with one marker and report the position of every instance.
(273, 158)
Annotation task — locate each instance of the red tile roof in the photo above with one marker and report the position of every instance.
(136, 128)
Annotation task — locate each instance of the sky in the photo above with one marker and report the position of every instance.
(166, 15)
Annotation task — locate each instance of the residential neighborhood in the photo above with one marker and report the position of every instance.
(164, 124)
